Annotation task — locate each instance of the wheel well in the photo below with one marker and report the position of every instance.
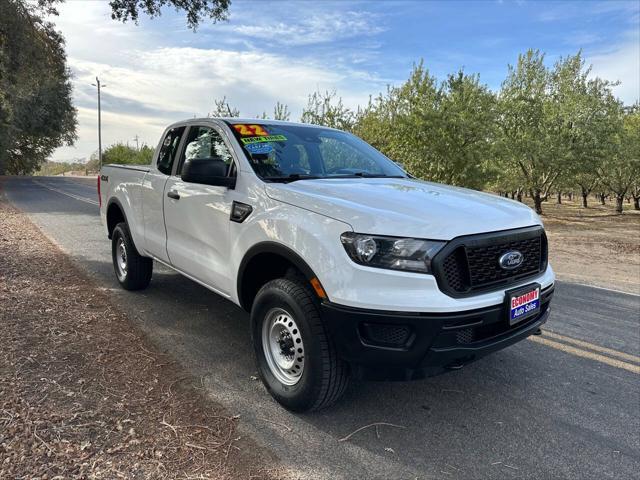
(114, 217)
(262, 268)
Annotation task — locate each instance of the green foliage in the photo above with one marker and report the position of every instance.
(50, 168)
(221, 108)
(328, 110)
(556, 126)
(590, 117)
(122, 154)
(438, 131)
(36, 113)
(621, 171)
(280, 112)
(196, 10)
(526, 126)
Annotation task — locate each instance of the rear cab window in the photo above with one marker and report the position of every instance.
(168, 150)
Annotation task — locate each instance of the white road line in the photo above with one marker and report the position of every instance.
(71, 195)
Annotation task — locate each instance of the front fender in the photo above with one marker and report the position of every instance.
(309, 240)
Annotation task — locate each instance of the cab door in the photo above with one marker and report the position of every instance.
(197, 216)
(153, 188)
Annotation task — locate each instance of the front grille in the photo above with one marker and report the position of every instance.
(470, 264)
(464, 336)
(483, 261)
(487, 331)
(385, 335)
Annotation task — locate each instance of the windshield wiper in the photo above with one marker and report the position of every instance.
(366, 175)
(292, 178)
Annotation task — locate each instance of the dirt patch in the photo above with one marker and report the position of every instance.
(594, 245)
(81, 393)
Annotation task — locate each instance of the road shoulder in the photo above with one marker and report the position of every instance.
(82, 394)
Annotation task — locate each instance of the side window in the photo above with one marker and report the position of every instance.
(168, 150)
(206, 142)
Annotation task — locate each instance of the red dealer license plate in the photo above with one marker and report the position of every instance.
(523, 303)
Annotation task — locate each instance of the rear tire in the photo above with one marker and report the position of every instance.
(133, 271)
(297, 360)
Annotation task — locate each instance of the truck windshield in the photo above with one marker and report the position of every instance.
(283, 153)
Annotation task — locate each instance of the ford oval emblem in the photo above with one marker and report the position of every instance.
(511, 260)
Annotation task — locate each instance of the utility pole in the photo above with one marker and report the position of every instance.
(137, 139)
(97, 84)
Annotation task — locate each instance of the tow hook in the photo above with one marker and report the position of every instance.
(538, 332)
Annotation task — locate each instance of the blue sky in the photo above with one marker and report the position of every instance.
(160, 71)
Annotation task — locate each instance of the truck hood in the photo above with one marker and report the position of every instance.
(405, 207)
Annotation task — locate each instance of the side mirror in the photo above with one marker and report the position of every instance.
(208, 171)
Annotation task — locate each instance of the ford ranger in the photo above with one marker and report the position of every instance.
(348, 265)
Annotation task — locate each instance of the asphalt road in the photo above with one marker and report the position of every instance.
(563, 405)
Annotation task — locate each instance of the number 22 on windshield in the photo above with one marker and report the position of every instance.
(250, 130)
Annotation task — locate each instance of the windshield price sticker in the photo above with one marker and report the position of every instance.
(250, 130)
(259, 148)
(267, 138)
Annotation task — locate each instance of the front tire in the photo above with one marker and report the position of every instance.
(133, 271)
(296, 358)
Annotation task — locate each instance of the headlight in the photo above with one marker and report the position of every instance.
(408, 254)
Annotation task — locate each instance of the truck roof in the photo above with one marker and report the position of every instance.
(235, 120)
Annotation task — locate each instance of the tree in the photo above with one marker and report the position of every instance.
(36, 112)
(463, 133)
(221, 108)
(588, 120)
(122, 154)
(529, 125)
(622, 169)
(438, 131)
(93, 163)
(635, 193)
(124, 10)
(50, 168)
(327, 109)
(280, 112)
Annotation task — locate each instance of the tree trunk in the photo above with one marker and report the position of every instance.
(537, 202)
(513, 195)
(619, 200)
(602, 198)
(584, 200)
(519, 196)
(636, 203)
(571, 196)
(559, 198)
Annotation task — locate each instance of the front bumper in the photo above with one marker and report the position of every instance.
(406, 346)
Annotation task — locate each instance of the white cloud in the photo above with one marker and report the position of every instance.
(154, 75)
(620, 62)
(317, 28)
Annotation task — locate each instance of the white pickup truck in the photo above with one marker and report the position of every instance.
(347, 265)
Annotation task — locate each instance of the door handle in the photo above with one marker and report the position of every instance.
(174, 195)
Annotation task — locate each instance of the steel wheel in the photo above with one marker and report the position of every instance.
(283, 346)
(121, 259)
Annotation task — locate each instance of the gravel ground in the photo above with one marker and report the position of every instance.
(82, 395)
(594, 245)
